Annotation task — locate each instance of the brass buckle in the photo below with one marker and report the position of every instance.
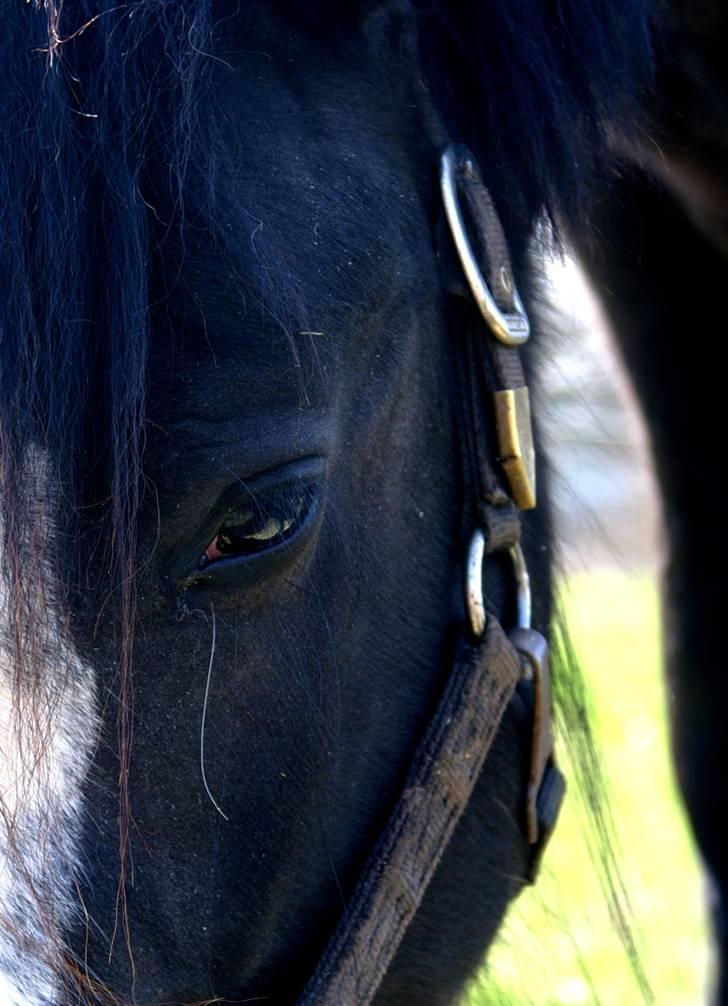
(515, 444)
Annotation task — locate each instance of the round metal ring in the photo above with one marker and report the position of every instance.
(474, 600)
(511, 329)
(523, 587)
(474, 583)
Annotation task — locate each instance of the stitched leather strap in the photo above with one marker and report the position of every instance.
(438, 788)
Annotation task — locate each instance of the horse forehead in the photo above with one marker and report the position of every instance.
(325, 160)
(316, 246)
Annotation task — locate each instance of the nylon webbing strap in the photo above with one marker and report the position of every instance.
(474, 225)
(491, 248)
(438, 788)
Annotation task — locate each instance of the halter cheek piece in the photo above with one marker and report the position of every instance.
(489, 666)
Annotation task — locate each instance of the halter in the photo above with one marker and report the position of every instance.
(488, 665)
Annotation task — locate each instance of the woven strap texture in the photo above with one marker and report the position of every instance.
(438, 788)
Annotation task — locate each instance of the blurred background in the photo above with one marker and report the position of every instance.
(559, 946)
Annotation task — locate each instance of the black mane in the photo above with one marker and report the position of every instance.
(538, 87)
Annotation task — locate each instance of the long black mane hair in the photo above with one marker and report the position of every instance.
(102, 150)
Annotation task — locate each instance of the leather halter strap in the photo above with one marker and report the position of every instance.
(437, 790)
(487, 670)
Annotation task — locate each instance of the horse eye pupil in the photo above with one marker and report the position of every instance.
(257, 526)
(235, 529)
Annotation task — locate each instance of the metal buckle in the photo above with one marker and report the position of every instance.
(515, 444)
(546, 784)
(474, 585)
(512, 329)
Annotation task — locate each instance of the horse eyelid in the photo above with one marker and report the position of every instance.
(260, 524)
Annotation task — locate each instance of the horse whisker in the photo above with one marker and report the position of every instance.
(213, 801)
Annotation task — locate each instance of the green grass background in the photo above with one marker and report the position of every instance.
(558, 946)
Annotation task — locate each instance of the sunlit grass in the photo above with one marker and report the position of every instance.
(558, 947)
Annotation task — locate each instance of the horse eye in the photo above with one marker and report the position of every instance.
(258, 524)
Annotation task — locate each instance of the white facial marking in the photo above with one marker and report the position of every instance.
(46, 739)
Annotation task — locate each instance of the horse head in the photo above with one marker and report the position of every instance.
(234, 507)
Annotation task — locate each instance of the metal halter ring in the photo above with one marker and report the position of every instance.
(510, 329)
(474, 585)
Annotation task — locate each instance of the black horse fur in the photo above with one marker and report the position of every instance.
(219, 281)
(657, 253)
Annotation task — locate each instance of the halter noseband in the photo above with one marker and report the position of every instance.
(489, 665)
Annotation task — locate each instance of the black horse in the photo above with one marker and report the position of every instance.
(232, 479)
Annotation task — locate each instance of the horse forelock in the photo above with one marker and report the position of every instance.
(73, 330)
